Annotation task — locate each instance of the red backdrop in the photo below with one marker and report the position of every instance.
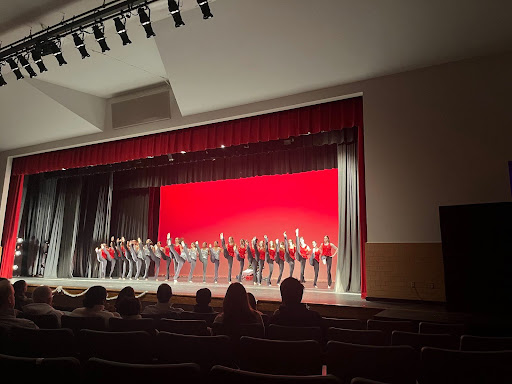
(253, 207)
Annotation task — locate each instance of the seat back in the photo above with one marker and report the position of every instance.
(390, 364)
(26, 342)
(101, 371)
(37, 370)
(328, 322)
(158, 316)
(206, 351)
(126, 347)
(44, 321)
(184, 327)
(420, 340)
(77, 323)
(436, 328)
(251, 330)
(354, 336)
(283, 357)
(279, 332)
(477, 343)
(361, 380)
(389, 326)
(442, 366)
(225, 375)
(208, 317)
(124, 325)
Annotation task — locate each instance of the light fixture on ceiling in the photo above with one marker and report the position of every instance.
(175, 13)
(57, 53)
(99, 35)
(25, 64)
(205, 8)
(36, 56)
(121, 30)
(15, 68)
(79, 44)
(145, 21)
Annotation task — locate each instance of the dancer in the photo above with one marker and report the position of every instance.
(270, 249)
(192, 255)
(262, 257)
(315, 260)
(111, 257)
(229, 253)
(203, 258)
(290, 253)
(302, 255)
(149, 255)
(240, 256)
(101, 255)
(252, 259)
(179, 255)
(215, 258)
(280, 258)
(125, 258)
(328, 251)
(159, 252)
(168, 257)
(136, 252)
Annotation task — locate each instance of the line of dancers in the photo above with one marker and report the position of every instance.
(134, 256)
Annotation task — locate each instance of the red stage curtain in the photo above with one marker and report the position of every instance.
(10, 233)
(272, 126)
(153, 212)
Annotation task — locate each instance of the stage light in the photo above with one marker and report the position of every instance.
(24, 62)
(17, 253)
(223, 146)
(121, 30)
(175, 13)
(36, 56)
(19, 240)
(15, 267)
(100, 37)
(15, 69)
(57, 53)
(79, 44)
(205, 8)
(145, 21)
(183, 152)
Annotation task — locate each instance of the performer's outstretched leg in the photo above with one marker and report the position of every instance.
(316, 267)
(216, 276)
(192, 267)
(270, 270)
(242, 263)
(291, 263)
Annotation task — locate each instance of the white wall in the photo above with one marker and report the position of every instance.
(435, 136)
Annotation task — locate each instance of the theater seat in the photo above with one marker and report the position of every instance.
(476, 343)
(354, 336)
(279, 332)
(123, 325)
(420, 340)
(76, 323)
(438, 328)
(389, 326)
(27, 342)
(185, 327)
(38, 370)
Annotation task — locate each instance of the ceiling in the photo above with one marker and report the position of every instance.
(251, 50)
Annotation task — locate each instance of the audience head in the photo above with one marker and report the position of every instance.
(203, 296)
(236, 305)
(291, 291)
(252, 300)
(95, 295)
(43, 294)
(164, 293)
(125, 293)
(129, 306)
(6, 295)
(20, 288)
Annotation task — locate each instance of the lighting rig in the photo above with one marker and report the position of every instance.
(48, 41)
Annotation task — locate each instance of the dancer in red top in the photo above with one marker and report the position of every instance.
(229, 253)
(290, 253)
(280, 259)
(302, 255)
(111, 257)
(259, 259)
(328, 251)
(315, 260)
(101, 255)
(123, 255)
(271, 257)
(167, 256)
(240, 253)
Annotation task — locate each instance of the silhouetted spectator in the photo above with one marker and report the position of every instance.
(129, 308)
(125, 293)
(203, 300)
(236, 308)
(292, 312)
(42, 305)
(163, 295)
(8, 317)
(94, 304)
(20, 294)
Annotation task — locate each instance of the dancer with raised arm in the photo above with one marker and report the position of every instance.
(328, 251)
(125, 258)
(101, 256)
(136, 252)
(149, 255)
(111, 257)
(192, 254)
(251, 258)
(262, 257)
(229, 253)
(179, 256)
(170, 256)
(302, 255)
(290, 253)
(270, 248)
(215, 258)
(159, 252)
(315, 260)
(204, 252)
(240, 253)
(280, 259)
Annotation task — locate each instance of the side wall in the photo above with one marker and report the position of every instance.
(435, 136)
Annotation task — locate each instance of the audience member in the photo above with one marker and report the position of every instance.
(94, 304)
(8, 317)
(252, 302)
(236, 308)
(42, 305)
(292, 312)
(203, 300)
(125, 293)
(129, 308)
(163, 296)
(20, 294)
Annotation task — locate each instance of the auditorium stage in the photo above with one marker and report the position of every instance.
(326, 301)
